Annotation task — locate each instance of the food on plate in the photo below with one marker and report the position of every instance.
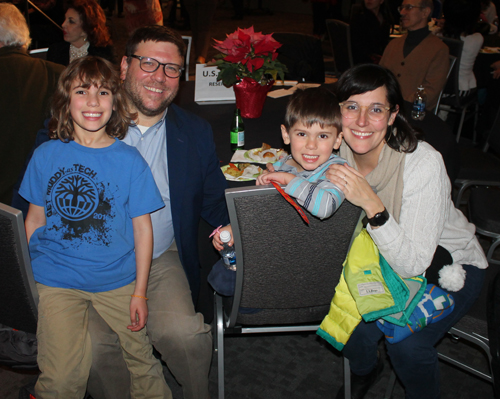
(490, 50)
(265, 154)
(241, 171)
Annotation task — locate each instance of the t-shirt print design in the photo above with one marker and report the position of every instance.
(82, 204)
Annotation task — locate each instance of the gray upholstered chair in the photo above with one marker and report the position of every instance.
(18, 294)
(286, 270)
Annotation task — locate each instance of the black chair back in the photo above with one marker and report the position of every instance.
(340, 40)
(455, 47)
(18, 295)
(303, 56)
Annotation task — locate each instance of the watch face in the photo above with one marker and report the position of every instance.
(379, 219)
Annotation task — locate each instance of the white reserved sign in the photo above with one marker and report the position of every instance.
(207, 90)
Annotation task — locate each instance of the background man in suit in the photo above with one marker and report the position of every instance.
(179, 148)
(417, 58)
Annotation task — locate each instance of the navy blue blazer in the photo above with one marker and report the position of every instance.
(196, 185)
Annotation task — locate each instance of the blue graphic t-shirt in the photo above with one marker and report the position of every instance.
(90, 196)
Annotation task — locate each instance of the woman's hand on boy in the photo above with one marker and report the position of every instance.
(216, 241)
(138, 314)
(355, 187)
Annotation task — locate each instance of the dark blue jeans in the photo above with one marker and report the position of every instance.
(414, 359)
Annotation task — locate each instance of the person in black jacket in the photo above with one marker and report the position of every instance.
(370, 29)
(85, 33)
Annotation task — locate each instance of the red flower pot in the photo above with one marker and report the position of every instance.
(250, 97)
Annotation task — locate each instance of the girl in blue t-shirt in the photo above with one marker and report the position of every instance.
(90, 234)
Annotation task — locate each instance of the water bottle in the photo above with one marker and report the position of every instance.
(237, 131)
(227, 253)
(419, 100)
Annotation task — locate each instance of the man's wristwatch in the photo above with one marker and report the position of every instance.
(379, 219)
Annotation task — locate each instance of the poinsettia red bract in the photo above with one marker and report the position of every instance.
(246, 53)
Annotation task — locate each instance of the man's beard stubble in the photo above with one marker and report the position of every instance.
(135, 98)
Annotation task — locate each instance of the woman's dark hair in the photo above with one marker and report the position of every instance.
(93, 21)
(368, 77)
(387, 18)
(89, 71)
(461, 17)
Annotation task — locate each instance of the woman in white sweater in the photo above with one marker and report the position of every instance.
(460, 22)
(402, 185)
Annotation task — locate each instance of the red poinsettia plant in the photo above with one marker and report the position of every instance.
(248, 54)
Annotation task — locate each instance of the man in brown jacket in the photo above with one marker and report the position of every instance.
(417, 58)
(26, 86)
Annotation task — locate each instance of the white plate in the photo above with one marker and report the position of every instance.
(255, 155)
(244, 177)
(490, 50)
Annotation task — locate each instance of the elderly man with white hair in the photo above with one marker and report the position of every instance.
(26, 85)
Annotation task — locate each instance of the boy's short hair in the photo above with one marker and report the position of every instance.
(314, 105)
(90, 71)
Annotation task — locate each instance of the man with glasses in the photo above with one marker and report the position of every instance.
(417, 58)
(179, 148)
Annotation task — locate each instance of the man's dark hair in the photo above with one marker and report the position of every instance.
(314, 105)
(154, 33)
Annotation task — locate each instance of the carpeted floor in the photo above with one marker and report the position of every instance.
(299, 366)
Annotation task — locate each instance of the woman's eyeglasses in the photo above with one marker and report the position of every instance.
(151, 65)
(351, 110)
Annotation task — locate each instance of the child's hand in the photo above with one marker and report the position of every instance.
(269, 169)
(216, 239)
(138, 314)
(278, 177)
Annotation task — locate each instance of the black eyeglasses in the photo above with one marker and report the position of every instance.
(408, 7)
(151, 65)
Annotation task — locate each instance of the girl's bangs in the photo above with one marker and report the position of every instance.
(98, 75)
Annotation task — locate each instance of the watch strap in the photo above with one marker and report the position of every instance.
(379, 219)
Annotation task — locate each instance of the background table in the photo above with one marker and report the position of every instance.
(267, 127)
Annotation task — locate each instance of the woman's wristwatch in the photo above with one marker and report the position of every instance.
(379, 219)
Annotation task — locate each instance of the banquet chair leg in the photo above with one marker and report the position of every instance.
(219, 344)
(462, 118)
(347, 379)
(476, 117)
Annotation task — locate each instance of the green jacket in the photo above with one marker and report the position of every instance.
(368, 289)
